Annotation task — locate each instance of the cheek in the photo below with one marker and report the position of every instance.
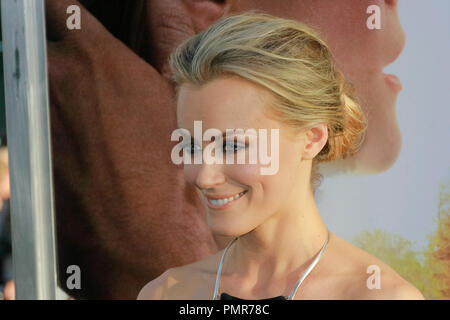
(343, 25)
(355, 47)
(266, 190)
(246, 175)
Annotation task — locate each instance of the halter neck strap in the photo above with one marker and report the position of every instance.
(309, 269)
(219, 270)
(298, 283)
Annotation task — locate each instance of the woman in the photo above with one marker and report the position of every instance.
(256, 71)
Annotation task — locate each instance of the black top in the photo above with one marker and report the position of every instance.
(226, 296)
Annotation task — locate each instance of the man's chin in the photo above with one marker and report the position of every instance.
(366, 162)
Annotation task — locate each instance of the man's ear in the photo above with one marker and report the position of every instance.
(204, 13)
(315, 139)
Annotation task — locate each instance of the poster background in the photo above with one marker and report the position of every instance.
(402, 202)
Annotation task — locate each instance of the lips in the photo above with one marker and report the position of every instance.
(223, 201)
(393, 81)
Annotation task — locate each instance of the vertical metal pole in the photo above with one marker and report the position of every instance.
(28, 131)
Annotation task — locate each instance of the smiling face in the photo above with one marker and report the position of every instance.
(361, 54)
(236, 196)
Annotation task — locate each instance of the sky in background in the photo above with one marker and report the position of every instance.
(404, 199)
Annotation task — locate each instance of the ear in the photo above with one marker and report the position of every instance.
(204, 13)
(315, 139)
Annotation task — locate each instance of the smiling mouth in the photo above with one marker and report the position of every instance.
(222, 202)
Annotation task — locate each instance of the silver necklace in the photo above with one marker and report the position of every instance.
(297, 284)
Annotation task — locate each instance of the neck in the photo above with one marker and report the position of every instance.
(285, 244)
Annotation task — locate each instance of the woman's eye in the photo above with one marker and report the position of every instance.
(192, 148)
(233, 146)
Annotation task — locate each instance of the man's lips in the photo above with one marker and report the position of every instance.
(393, 81)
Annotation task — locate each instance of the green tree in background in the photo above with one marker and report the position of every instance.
(429, 269)
(438, 252)
(397, 252)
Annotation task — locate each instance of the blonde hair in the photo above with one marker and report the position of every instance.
(289, 59)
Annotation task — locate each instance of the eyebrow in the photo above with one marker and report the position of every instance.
(224, 135)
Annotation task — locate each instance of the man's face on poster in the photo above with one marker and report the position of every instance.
(362, 54)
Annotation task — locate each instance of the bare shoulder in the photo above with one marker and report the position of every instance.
(392, 287)
(194, 281)
(369, 278)
(157, 289)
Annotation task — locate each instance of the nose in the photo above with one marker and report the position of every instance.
(209, 176)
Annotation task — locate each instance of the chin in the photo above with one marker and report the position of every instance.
(374, 157)
(382, 143)
(221, 229)
(381, 159)
(229, 226)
